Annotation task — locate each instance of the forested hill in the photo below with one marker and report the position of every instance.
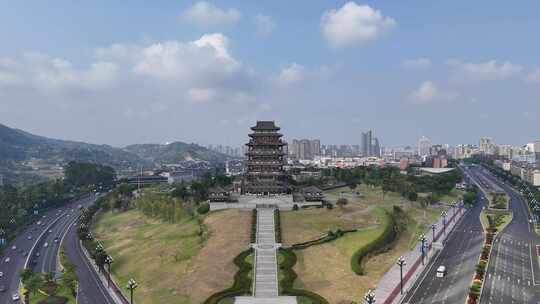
(175, 152)
(18, 145)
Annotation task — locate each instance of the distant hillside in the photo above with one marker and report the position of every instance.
(27, 157)
(175, 152)
(18, 145)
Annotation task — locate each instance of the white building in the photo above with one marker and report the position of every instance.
(424, 146)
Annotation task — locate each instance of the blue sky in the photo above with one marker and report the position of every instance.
(205, 71)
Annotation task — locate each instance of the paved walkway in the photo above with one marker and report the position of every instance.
(265, 285)
(388, 288)
(266, 278)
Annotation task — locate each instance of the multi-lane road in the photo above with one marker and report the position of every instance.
(37, 248)
(513, 274)
(459, 256)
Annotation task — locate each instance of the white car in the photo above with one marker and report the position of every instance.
(14, 247)
(15, 297)
(7, 260)
(46, 244)
(441, 271)
(1, 274)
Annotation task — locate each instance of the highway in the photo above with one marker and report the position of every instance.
(91, 290)
(513, 274)
(24, 242)
(57, 224)
(459, 256)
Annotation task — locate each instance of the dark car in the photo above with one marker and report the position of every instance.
(2, 288)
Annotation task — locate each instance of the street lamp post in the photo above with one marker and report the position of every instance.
(369, 297)
(109, 260)
(443, 214)
(423, 242)
(433, 226)
(131, 286)
(401, 262)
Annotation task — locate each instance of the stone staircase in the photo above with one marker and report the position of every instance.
(266, 284)
(266, 278)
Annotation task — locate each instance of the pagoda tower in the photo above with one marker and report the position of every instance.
(265, 158)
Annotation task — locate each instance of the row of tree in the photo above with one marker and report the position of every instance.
(390, 179)
(21, 206)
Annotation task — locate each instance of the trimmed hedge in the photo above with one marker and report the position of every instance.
(254, 226)
(330, 236)
(390, 233)
(203, 208)
(277, 225)
(242, 282)
(287, 281)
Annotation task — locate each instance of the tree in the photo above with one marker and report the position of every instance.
(180, 191)
(352, 185)
(341, 202)
(25, 274)
(412, 196)
(33, 283)
(85, 174)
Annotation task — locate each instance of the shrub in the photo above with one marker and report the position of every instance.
(54, 300)
(389, 234)
(254, 226)
(203, 208)
(342, 202)
(277, 225)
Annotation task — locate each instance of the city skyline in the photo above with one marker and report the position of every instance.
(105, 79)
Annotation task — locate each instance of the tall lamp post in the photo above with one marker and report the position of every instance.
(109, 260)
(369, 297)
(443, 214)
(423, 243)
(433, 226)
(401, 262)
(131, 286)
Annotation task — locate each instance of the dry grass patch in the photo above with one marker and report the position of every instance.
(174, 263)
(326, 269)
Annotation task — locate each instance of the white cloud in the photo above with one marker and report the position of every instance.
(428, 92)
(35, 70)
(201, 95)
(353, 25)
(207, 15)
(264, 25)
(205, 62)
(533, 77)
(291, 74)
(484, 71)
(8, 72)
(416, 64)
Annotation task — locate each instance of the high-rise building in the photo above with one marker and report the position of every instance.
(305, 149)
(366, 143)
(424, 146)
(264, 161)
(370, 145)
(534, 147)
(375, 147)
(486, 145)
